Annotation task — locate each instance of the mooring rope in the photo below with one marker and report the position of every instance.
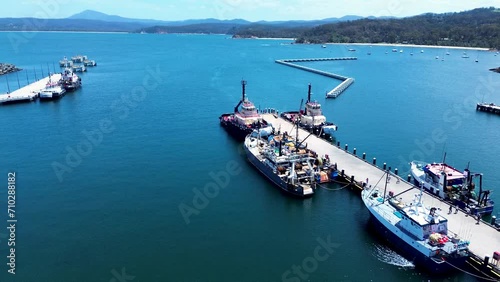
(334, 189)
(472, 274)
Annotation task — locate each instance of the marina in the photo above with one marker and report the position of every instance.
(144, 160)
(29, 92)
(335, 92)
(362, 173)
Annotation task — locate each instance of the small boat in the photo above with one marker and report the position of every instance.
(464, 55)
(79, 59)
(394, 50)
(312, 119)
(52, 93)
(65, 63)
(70, 81)
(351, 50)
(79, 68)
(450, 184)
(421, 51)
(323, 46)
(401, 51)
(437, 57)
(419, 232)
(89, 63)
(245, 119)
(288, 165)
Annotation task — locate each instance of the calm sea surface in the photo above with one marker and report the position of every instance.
(103, 174)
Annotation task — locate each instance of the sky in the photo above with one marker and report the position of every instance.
(253, 10)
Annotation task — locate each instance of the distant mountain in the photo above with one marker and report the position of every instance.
(94, 15)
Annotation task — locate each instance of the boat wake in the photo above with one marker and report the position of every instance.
(386, 255)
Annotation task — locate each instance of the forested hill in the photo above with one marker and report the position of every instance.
(475, 28)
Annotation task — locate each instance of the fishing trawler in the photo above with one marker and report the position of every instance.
(312, 119)
(448, 183)
(245, 119)
(417, 231)
(288, 165)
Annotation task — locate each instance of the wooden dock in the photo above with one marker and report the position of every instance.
(28, 92)
(489, 108)
(335, 92)
(484, 238)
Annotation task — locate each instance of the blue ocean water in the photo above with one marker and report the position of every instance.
(103, 174)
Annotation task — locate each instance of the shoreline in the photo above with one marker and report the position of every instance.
(414, 45)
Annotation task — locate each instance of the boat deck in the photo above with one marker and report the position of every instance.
(484, 238)
(28, 92)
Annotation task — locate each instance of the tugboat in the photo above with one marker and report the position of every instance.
(245, 119)
(312, 119)
(448, 183)
(287, 165)
(70, 81)
(418, 232)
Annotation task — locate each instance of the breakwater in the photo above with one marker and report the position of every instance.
(335, 92)
(8, 68)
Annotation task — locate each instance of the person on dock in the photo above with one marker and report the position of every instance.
(478, 218)
(451, 209)
(456, 209)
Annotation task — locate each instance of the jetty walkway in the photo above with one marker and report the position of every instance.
(335, 92)
(28, 92)
(484, 238)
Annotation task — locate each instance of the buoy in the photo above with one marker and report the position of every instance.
(396, 171)
(354, 151)
(346, 147)
(374, 161)
(385, 166)
(364, 156)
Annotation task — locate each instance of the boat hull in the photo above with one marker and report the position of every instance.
(315, 129)
(273, 177)
(238, 131)
(392, 238)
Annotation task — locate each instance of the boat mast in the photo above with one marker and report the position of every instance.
(385, 187)
(243, 83)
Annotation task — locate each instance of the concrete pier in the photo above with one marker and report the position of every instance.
(335, 92)
(28, 92)
(484, 238)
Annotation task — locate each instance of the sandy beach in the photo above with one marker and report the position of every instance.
(413, 45)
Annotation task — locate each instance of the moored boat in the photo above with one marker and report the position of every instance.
(287, 165)
(70, 81)
(451, 184)
(312, 119)
(79, 68)
(52, 93)
(419, 232)
(244, 120)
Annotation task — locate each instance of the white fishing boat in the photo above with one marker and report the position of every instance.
(418, 232)
(453, 185)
